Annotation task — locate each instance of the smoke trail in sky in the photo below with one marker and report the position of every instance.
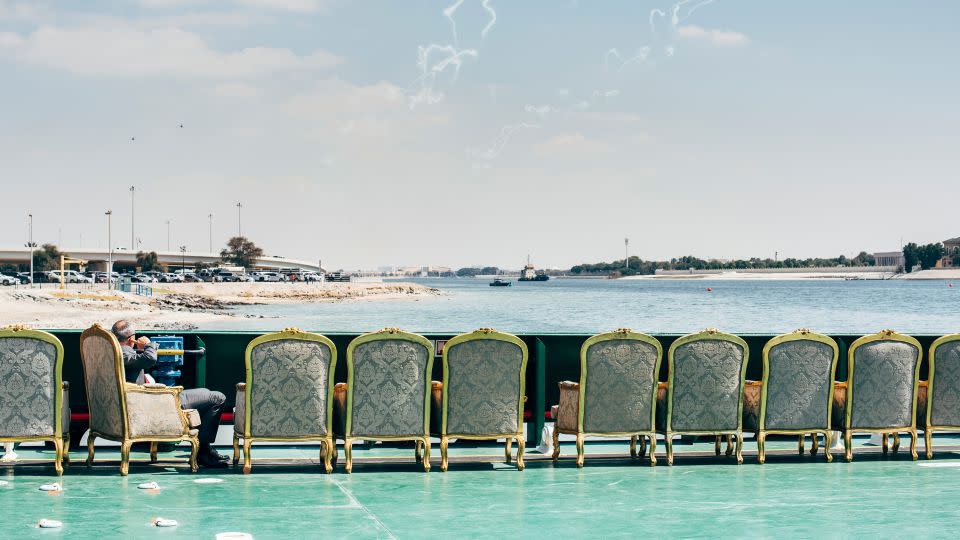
(506, 133)
(434, 59)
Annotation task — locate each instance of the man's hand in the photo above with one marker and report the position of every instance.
(142, 342)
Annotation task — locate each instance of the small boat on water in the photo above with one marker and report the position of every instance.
(531, 274)
(500, 283)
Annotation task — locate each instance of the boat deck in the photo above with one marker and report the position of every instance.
(388, 495)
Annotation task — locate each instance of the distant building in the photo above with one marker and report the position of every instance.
(949, 247)
(889, 258)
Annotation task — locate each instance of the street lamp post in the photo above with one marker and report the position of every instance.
(30, 245)
(183, 255)
(132, 218)
(239, 230)
(626, 253)
(210, 230)
(168, 235)
(109, 214)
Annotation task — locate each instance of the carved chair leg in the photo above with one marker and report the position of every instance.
(885, 447)
(739, 447)
(325, 452)
(334, 451)
(730, 444)
(90, 439)
(521, 445)
(444, 442)
(643, 445)
(668, 440)
(66, 449)
(556, 443)
(761, 451)
(194, 451)
(827, 443)
(815, 437)
(896, 442)
(153, 451)
(633, 446)
(928, 442)
(426, 454)
(716, 445)
(247, 462)
(579, 450)
(913, 444)
(348, 452)
(507, 445)
(58, 457)
(800, 444)
(125, 457)
(848, 445)
(236, 449)
(416, 451)
(653, 449)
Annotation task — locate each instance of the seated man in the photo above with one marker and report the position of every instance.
(140, 354)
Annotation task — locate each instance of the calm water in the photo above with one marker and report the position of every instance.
(594, 305)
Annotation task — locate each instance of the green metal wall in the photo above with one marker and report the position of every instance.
(553, 358)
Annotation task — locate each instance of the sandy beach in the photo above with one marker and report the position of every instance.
(182, 306)
(744, 275)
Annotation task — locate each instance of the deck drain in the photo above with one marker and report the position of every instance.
(208, 480)
(49, 524)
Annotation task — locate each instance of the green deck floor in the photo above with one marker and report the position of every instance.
(698, 496)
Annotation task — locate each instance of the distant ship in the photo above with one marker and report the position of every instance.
(531, 274)
(500, 283)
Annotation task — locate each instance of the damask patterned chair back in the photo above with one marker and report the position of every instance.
(31, 364)
(289, 389)
(484, 380)
(797, 392)
(388, 378)
(103, 378)
(942, 407)
(705, 391)
(618, 383)
(882, 380)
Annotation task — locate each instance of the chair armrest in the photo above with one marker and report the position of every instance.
(436, 407)
(240, 408)
(241, 386)
(153, 388)
(65, 408)
(193, 418)
(569, 409)
(752, 392)
(155, 412)
(339, 409)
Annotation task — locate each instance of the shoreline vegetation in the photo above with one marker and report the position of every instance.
(182, 306)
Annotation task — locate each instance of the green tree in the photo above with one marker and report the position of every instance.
(467, 272)
(930, 254)
(911, 256)
(46, 258)
(147, 262)
(241, 252)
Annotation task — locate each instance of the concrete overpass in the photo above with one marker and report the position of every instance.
(97, 259)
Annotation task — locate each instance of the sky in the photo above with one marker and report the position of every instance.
(478, 132)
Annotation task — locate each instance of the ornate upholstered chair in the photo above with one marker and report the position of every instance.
(883, 374)
(705, 391)
(797, 388)
(388, 391)
(617, 393)
(288, 395)
(484, 377)
(126, 412)
(33, 398)
(943, 389)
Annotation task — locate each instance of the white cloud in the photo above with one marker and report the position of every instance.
(714, 36)
(236, 90)
(570, 145)
(299, 6)
(166, 52)
(10, 40)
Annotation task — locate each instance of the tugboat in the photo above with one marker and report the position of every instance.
(500, 283)
(530, 274)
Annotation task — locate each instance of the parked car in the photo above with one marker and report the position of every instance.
(208, 275)
(312, 276)
(24, 277)
(267, 276)
(190, 277)
(6, 280)
(171, 278)
(142, 278)
(69, 276)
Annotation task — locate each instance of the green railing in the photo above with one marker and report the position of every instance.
(553, 358)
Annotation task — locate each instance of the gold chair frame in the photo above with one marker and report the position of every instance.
(884, 335)
(328, 446)
(61, 441)
(929, 428)
(801, 334)
(421, 442)
(669, 432)
(123, 387)
(488, 334)
(643, 436)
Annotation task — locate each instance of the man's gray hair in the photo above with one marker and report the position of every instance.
(123, 330)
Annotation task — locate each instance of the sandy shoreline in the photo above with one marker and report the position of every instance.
(180, 306)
